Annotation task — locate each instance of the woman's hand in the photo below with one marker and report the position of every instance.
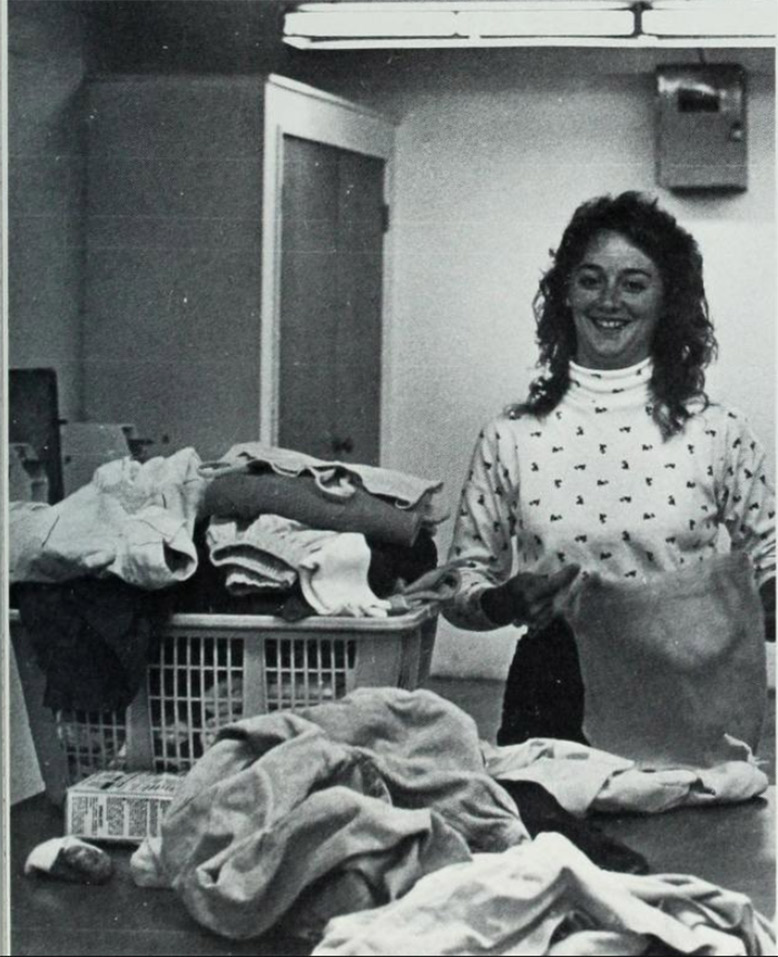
(527, 599)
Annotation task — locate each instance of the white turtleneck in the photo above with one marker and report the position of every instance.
(593, 482)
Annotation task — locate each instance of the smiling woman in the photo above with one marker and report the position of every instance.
(617, 465)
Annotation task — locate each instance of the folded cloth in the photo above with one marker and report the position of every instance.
(205, 593)
(273, 552)
(132, 520)
(300, 497)
(267, 549)
(546, 897)
(337, 479)
(333, 577)
(584, 779)
(673, 668)
(304, 815)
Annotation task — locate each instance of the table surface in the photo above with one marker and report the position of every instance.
(730, 846)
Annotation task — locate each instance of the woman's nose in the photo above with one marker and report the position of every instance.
(610, 296)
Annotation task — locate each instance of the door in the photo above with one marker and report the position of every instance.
(330, 301)
(327, 179)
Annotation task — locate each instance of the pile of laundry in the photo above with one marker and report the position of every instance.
(380, 824)
(279, 518)
(262, 531)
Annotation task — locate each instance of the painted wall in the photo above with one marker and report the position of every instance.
(173, 253)
(45, 70)
(494, 152)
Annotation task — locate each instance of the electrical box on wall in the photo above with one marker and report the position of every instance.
(701, 127)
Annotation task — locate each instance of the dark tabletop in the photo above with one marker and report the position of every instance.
(730, 846)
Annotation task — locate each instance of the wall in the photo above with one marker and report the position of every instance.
(172, 273)
(45, 70)
(495, 149)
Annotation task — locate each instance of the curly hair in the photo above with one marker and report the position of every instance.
(684, 342)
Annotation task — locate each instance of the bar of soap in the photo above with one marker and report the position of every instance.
(70, 859)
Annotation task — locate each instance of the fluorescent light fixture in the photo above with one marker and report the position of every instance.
(710, 18)
(466, 23)
(474, 23)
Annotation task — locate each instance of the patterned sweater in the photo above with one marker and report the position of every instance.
(595, 483)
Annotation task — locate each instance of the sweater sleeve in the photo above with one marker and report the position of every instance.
(746, 497)
(483, 531)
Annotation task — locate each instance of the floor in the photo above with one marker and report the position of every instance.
(483, 700)
(48, 917)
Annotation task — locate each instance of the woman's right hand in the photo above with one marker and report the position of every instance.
(527, 598)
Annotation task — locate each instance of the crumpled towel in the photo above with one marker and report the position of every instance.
(304, 815)
(546, 897)
(133, 520)
(674, 667)
(586, 780)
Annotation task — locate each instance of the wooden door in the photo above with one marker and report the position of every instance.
(332, 229)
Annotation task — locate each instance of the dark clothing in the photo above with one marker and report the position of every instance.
(540, 811)
(544, 694)
(92, 639)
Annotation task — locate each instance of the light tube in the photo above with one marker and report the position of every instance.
(710, 18)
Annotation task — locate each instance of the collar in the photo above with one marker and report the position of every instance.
(611, 388)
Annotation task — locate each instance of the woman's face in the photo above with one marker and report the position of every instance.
(615, 295)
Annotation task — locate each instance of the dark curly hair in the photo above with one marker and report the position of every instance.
(684, 342)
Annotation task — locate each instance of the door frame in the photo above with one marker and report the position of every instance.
(296, 109)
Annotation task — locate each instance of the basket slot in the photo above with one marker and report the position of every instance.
(186, 679)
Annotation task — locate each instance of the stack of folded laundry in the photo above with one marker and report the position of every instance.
(337, 538)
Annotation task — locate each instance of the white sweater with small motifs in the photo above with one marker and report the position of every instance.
(595, 483)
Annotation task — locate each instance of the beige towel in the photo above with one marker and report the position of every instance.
(674, 668)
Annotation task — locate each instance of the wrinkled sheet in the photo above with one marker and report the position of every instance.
(546, 897)
(133, 520)
(332, 808)
(585, 779)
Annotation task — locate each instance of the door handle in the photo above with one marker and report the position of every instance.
(343, 445)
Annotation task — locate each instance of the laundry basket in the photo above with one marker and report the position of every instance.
(211, 670)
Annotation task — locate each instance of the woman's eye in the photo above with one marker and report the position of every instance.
(588, 281)
(635, 286)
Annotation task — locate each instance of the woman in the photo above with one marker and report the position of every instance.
(617, 461)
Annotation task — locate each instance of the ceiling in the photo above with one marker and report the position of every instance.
(246, 37)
